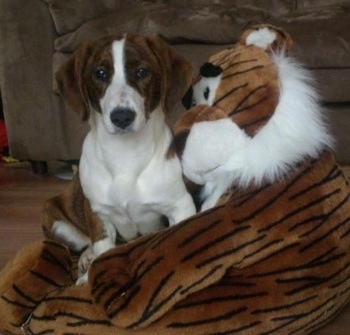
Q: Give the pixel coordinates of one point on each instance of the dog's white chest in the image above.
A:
(122, 201)
(133, 189)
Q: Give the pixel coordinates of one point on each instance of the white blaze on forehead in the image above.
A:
(118, 61)
(262, 38)
(120, 94)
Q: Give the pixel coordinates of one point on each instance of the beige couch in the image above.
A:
(37, 35)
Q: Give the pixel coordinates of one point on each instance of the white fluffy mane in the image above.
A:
(218, 153)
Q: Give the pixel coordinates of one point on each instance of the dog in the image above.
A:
(129, 176)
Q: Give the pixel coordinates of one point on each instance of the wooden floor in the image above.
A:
(21, 196)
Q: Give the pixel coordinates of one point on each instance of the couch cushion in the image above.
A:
(321, 36)
(68, 15)
(216, 24)
(300, 4)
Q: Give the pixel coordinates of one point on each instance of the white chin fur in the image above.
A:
(215, 158)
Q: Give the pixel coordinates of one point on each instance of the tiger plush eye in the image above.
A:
(101, 73)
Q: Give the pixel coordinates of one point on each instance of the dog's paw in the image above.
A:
(84, 263)
(82, 279)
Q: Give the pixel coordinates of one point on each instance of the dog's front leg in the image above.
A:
(103, 238)
(183, 209)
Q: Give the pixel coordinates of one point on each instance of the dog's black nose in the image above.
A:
(122, 117)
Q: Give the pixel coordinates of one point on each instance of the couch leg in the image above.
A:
(39, 167)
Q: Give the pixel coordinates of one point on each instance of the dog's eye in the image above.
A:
(142, 73)
(194, 103)
(101, 73)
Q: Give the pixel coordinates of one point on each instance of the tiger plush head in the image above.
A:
(253, 116)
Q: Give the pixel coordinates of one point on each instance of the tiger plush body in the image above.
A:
(267, 254)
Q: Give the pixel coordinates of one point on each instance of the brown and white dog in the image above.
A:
(129, 179)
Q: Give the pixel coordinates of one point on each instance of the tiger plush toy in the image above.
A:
(267, 254)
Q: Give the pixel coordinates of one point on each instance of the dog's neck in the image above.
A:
(113, 150)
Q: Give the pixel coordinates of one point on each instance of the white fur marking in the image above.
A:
(73, 237)
(262, 38)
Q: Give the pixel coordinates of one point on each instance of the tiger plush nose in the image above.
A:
(122, 117)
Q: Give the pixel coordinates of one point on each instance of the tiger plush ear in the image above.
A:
(267, 37)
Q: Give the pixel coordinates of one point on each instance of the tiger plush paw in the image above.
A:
(37, 270)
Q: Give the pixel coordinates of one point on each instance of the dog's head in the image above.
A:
(124, 79)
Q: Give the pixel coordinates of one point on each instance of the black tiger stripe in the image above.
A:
(240, 109)
(45, 278)
(305, 266)
(218, 318)
(98, 281)
(328, 216)
(225, 59)
(313, 281)
(341, 282)
(253, 60)
(47, 331)
(229, 252)
(163, 236)
(16, 303)
(149, 267)
(276, 252)
(295, 318)
(264, 247)
(249, 196)
(300, 210)
(122, 254)
(52, 259)
(197, 235)
(345, 234)
(328, 178)
(24, 296)
(323, 256)
(102, 290)
(80, 319)
(202, 279)
(283, 307)
(309, 220)
(89, 322)
(149, 311)
(265, 206)
(210, 244)
(226, 95)
(242, 72)
(256, 121)
(131, 295)
(112, 285)
(324, 236)
(220, 299)
(237, 330)
(69, 299)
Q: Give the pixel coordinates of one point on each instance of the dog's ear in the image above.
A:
(70, 81)
(177, 72)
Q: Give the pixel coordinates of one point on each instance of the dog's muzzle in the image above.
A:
(122, 117)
